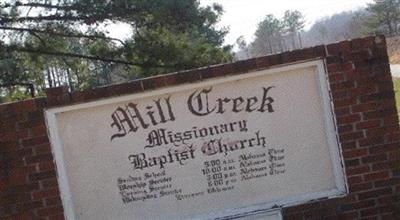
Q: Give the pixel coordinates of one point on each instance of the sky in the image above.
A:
(242, 16)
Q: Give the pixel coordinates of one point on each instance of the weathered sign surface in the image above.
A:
(198, 151)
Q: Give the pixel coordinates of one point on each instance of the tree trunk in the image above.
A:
(300, 41)
(270, 45)
(71, 86)
(78, 79)
(389, 24)
(49, 80)
(53, 77)
(293, 40)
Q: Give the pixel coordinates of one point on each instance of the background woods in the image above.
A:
(276, 35)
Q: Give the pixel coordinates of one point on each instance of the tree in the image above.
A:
(338, 27)
(243, 52)
(268, 36)
(294, 24)
(385, 17)
(63, 42)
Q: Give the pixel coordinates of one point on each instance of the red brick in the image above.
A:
(374, 193)
(354, 180)
(362, 90)
(8, 146)
(31, 123)
(35, 141)
(333, 49)
(20, 188)
(348, 215)
(364, 107)
(341, 95)
(394, 155)
(338, 77)
(245, 65)
(50, 211)
(56, 217)
(28, 215)
(358, 170)
(391, 120)
(39, 158)
(390, 216)
(39, 130)
(374, 158)
(345, 85)
(360, 187)
(351, 136)
(381, 131)
(387, 165)
(55, 201)
(49, 183)
(376, 176)
(153, 82)
(23, 106)
(345, 128)
(384, 148)
(13, 135)
(370, 141)
(293, 216)
(355, 153)
(275, 59)
(378, 114)
(221, 70)
(262, 62)
(14, 198)
(56, 91)
(344, 102)
(352, 162)
(29, 206)
(387, 182)
(48, 193)
(43, 166)
(348, 145)
(349, 119)
(376, 210)
(342, 111)
(368, 124)
(18, 176)
(363, 204)
(42, 175)
(393, 137)
(42, 149)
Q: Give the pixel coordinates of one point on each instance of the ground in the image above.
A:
(396, 82)
(393, 44)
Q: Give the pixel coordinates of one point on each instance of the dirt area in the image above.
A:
(393, 44)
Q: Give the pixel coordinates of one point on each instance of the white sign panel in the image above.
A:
(208, 150)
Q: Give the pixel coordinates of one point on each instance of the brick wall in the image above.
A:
(367, 119)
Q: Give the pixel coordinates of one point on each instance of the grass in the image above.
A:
(396, 82)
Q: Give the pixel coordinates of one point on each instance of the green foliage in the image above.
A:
(293, 21)
(63, 42)
(385, 17)
(396, 82)
(272, 34)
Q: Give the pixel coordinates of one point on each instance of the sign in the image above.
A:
(212, 149)
(272, 215)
